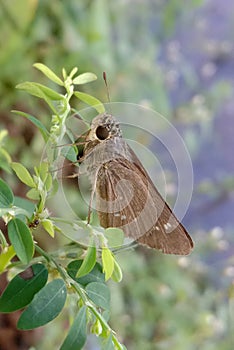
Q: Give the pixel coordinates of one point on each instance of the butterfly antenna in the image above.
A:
(107, 87)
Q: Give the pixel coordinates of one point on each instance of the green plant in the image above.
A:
(85, 268)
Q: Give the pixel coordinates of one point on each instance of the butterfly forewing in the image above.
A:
(127, 198)
(125, 195)
(121, 197)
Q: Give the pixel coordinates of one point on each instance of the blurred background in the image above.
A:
(178, 59)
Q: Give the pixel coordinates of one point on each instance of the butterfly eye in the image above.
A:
(102, 132)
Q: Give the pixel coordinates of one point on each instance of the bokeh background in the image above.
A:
(178, 59)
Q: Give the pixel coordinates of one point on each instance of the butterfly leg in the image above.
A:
(72, 176)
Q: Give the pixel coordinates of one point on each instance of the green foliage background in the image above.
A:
(163, 301)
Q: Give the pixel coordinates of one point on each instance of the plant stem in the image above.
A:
(63, 274)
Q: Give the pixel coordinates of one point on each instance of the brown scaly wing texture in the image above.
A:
(127, 198)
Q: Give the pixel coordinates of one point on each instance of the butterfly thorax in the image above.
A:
(104, 143)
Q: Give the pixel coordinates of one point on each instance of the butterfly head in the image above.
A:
(103, 127)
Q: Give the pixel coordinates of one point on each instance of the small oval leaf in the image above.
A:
(40, 91)
(48, 182)
(73, 72)
(20, 292)
(90, 100)
(88, 262)
(46, 305)
(43, 170)
(96, 275)
(33, 194)
(76, 337)
(23, 174)
(70, 153)
(48, 73)
(25, 204)
(108, 262)
(117, 273)
(107, 344)
(84, 78)
(48, 226)
(99, 293)
(21, 239)
(6, 257)
(6, 195)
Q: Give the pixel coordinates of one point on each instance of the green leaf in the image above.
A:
(107, 344)
(44, 132)
(33, 194)
(48, 182)
(5, 160)
(48, 73)
(40, 91)
(4, 154)
(106, 315)
(3, 241)
(42, 170)
(84, 78)
(3, 136)
(25, 204)
(20, 291)
(115, 237)
(47, 94)
(76, 337)
(23, 174)
(5, 257)
(64, 73)
(70, 153)
(108, 262)
(117, 273)
(96, 327)
(99, 293)
(14, 211)
(88, 262)
(90, 100)
(54, 188)
(73, 72)
(6, 195)
(48, 226)
(45, 306)
(96, 275)
(21, 239)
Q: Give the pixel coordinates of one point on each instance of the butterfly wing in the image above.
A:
(127, 198)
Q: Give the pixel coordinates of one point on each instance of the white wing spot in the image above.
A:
(117, 214)
(157, 228)
(123, 217)
(167, 227)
